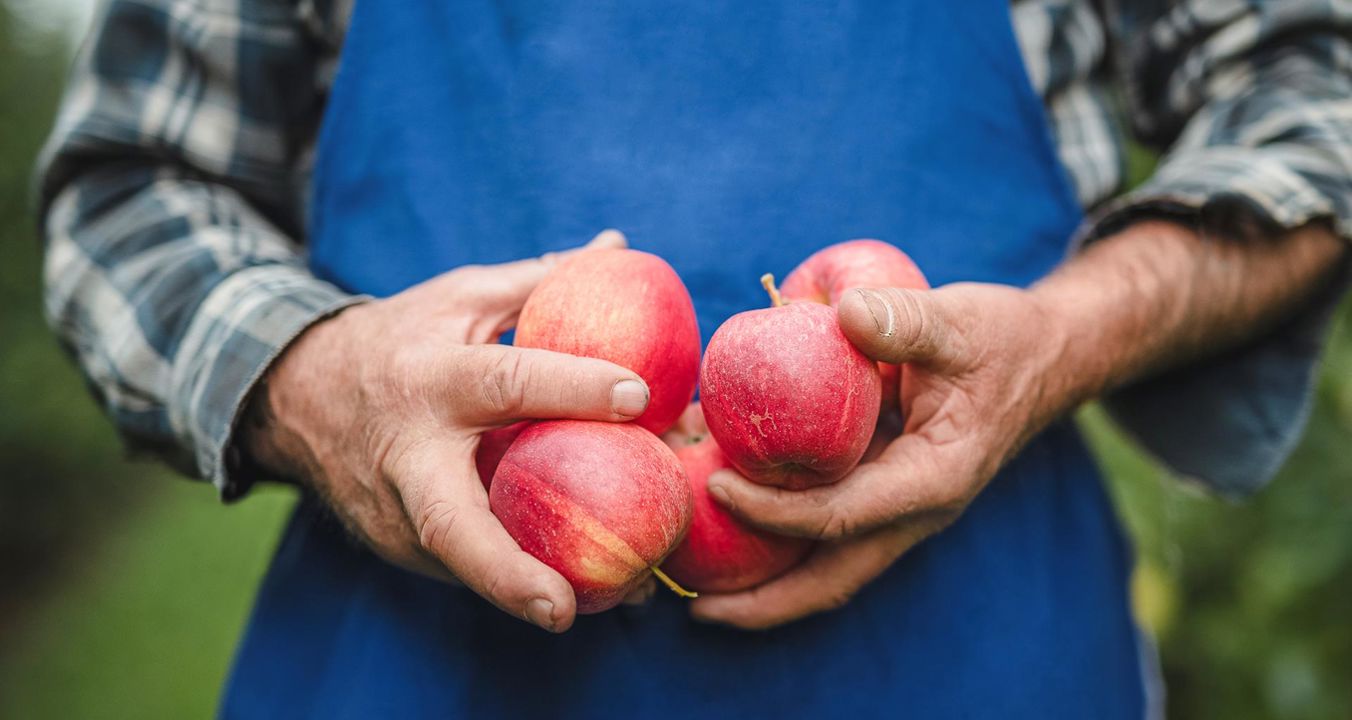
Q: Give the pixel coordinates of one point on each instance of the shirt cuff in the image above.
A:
(1232, 191)
(1232, 421)
(238, 331)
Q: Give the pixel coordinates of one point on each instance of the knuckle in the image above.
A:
(755, 613)
(951, 501)
(403, 376)
(503, 388)
(836, 524)
(835, 599)
(436, 524)
(464, 274)
(495, 583)
(388, 453)
(945, 515)
(914, 321)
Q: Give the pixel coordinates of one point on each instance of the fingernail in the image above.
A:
(540, 611)
(881, 312)
(629, 398)
(721, 496)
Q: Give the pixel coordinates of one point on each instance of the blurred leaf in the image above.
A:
(1153, 596)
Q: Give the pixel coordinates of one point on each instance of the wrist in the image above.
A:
(1059, 377)
(1121, 307)
(291, 402)
(1073, 368)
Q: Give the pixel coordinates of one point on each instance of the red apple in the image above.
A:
(625, 306)
(720, 553)
(828, 274)
(601, 503)
(493, 445)
(789, 399)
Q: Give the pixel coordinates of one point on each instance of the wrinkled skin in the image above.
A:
(993, 365)
(829, 273)
(380, 408)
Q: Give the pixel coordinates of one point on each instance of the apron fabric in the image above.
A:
(730, 139)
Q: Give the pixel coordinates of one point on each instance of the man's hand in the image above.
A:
(379, 410)
(980, 359)
(990, 366)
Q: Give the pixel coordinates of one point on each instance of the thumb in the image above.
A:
(898, 326)
(507, 383)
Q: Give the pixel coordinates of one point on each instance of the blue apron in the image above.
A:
(731, 139)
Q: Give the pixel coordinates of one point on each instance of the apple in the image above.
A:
(493, 445)
(601, 503)
(788, 397)
(625, 306)
(720, 553)
(829, 273)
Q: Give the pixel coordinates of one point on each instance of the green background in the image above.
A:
(123, 588)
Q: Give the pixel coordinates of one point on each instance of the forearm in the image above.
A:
(293, 407)
(1266, 148)
(1158, 295)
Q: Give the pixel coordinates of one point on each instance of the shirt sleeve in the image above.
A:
(1251, 103)
(171, 196)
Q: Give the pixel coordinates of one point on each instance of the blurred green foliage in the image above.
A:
(124, 588)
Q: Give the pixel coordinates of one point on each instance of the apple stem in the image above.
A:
(672, 583)
(768, 282)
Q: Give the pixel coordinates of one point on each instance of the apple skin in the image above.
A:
(493, 445)
(829, 273)
(721, 553)
(625, 306)
(790, 400)
(601, 503)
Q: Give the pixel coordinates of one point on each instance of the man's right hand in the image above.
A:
(379, 410)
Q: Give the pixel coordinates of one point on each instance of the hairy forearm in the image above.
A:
(1158, 295)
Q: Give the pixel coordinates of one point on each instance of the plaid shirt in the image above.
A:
(174, 187)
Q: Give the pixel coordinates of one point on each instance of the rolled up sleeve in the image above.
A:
(1251, 104)
(172, 203)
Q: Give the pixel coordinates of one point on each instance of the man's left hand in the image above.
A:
(989, 366)
(979, 385)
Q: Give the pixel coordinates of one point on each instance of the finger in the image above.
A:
(501, 290)
(689, 429)
(692, 420)
(910, 478)
(494, 384)
(899, 326)
(447, 506)
(827, 580)
(412, 558)
(608, 238)
(641, 594)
